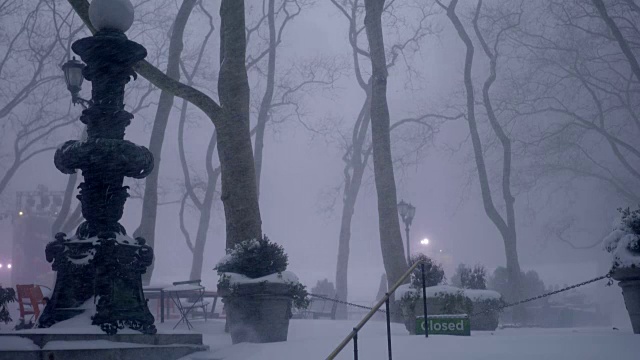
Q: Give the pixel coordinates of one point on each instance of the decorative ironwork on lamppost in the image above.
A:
(100, 265)
(407, 212)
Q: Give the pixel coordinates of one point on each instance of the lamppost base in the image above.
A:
(107, 268)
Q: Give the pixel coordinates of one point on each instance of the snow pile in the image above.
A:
(479, 295)
(432, 291)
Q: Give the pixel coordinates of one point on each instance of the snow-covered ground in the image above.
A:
(315, 339)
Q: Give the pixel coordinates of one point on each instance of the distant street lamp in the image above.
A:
(407, 212)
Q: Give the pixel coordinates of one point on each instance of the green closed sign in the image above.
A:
(444, 325)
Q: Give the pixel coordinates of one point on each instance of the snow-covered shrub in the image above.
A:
(624, 241)
(259, 261)
(470, 278)
(456, 303)
(7, 295)
(325, 288)
(254, 258)
(434, 274)
(300, 296)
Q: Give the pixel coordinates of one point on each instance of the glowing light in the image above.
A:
(440, 250)
(20, 213)
(9, 266)
(0, 266)
(424, 241)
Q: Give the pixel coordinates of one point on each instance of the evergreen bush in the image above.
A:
(434, 274)
(255, 258)
(7, 295)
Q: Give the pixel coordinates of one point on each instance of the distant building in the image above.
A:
(34, 214)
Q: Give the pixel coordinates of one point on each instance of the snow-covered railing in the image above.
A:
(353, 335)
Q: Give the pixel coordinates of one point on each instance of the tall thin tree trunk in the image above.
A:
(390, 235)
(348, 208)
(356, 163)
(205, 213)
(506, 228)
(65, 208)
(147, 226)
(238, 176)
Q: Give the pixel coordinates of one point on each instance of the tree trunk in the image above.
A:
(390, 235)
(506, 228)
(73, 221)
(356, 164)
(11, 171)
(205, 213)
(56, 227)
(263, 113)
(147, 226)
(348, 208)
(238, 176)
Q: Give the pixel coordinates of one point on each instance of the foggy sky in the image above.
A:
(300, 168)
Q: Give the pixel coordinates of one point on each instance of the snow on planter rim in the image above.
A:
(285, 277)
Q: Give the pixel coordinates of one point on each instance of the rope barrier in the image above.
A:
(502, 307)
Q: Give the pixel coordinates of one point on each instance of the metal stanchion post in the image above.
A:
(386, 304)
(424, 301)
(355, 345)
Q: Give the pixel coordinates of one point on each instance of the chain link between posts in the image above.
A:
(499, 308)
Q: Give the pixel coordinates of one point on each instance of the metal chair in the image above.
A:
(193, 291)
(30, 299)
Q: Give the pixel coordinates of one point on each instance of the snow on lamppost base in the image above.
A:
(101, 261)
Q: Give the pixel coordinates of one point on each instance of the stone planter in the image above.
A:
(629, 280)
(258, 312)
(409, 314)
(487, 321)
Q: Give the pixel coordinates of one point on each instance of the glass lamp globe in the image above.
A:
(403, 209)
(411, 212)
(111, 14)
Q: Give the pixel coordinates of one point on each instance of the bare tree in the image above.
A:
(32, 81)
(389, 225)
(150, 201)
(578, 99)
(208, 187)
(231, 118)
(506, 224)
(357, 145)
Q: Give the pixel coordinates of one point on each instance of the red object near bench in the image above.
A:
(30, 299)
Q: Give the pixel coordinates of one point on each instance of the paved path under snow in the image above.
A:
(315, 339)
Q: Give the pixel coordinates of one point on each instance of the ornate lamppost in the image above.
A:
(100, 265)
(407, 212)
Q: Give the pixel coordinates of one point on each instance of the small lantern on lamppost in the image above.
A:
(73, 78)
(407, 212)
